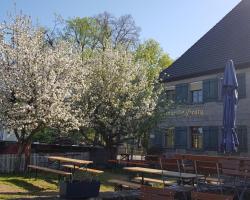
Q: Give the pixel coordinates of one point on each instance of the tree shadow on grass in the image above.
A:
(51, 181)
(25, 185)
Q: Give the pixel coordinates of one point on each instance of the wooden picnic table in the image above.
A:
(180, 175)
(70, 160)
(74, 162)
(163, 172)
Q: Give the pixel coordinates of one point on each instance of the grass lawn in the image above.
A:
(44, 187)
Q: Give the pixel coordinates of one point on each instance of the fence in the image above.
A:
(7, 161)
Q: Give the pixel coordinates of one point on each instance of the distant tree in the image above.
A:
(37, 81)
(153, 56)
(97, 32)
(54, 33)
(83, 31)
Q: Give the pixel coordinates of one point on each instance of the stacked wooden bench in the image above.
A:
(136, 183)
(153, 180)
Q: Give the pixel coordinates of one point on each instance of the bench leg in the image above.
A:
(27, 173)
(30, 173)
(118, 187)
(36, 173)
(59, 178)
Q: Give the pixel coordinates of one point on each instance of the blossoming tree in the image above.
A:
(38, 83)
(119, 98)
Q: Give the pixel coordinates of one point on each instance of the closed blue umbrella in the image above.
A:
(230, 141)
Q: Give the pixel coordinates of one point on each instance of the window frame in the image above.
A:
(200, 94)
(200, 140)
(172, 94)
(172, 129)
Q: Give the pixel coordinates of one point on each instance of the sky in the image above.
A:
(175, 24)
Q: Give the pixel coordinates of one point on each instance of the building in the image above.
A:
(7, 135)
(194, 81)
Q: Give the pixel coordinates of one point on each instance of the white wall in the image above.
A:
(7, 135)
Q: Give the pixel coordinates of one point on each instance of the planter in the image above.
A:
(79, 189)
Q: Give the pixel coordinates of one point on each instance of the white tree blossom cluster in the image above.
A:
(36, 80)
(119, 96)
(57, 86)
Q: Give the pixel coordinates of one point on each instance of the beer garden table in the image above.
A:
(166, 173)
(75, 162)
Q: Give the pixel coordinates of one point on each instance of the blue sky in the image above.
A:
(175, 24)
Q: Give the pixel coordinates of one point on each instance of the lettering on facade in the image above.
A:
(185, 113)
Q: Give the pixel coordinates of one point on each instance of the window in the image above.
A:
(197, 96)
(197, 137)
(210, 90)
(169, 138)
(170, 95)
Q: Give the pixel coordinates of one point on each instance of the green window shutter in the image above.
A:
(213, 139)
(210, 138)
(157, 140)
(242, 85)
(213, 89)
(158, 137)
(210, 90)
(180, 138)
(181, 93)
(206, 137)
(205, 86)
(242, 137)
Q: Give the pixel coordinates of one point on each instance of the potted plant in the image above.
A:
(81, 186)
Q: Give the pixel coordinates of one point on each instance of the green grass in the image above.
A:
(18, 186)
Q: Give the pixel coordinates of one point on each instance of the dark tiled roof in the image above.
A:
(228, 39)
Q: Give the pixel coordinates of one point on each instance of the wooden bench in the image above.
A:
(46, 169)
(123, 184)
(151, 193)
(153, 180)
(92, 171)
(130, 162)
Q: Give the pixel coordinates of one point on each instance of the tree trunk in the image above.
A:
(27, 156)
(22, 149)
(17, 165)
(112, 152)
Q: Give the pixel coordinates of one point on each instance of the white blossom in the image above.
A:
(36, 79)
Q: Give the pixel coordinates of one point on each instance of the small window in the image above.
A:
(197, 96)
(197, 137)
(169, 138)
